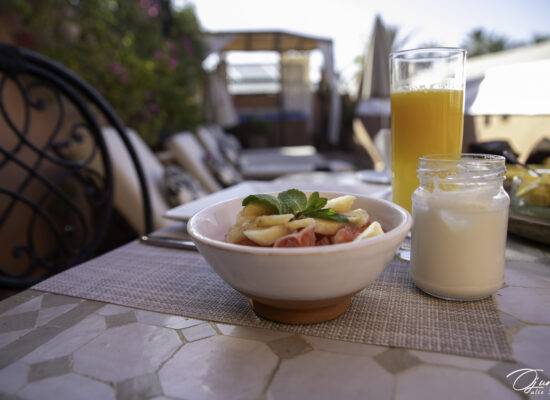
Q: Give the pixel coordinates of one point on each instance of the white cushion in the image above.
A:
(128, 199)
(209, 141)
(189, 153)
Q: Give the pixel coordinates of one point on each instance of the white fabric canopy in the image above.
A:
(335, 105)
(512, 82)
(223, 109)
(519, 89)
(375, 80)
(296, 90)
(374, 88)
(283, 41)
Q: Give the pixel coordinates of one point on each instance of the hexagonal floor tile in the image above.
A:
(318, 374)
(113, 356)
(430, 382)
(219, 367)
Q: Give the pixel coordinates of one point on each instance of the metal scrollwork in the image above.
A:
(55, 173)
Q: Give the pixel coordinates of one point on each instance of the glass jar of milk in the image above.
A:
(460, 219)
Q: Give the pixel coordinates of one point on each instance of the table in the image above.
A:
(58, 347)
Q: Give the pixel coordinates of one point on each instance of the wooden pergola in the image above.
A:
(282, 41)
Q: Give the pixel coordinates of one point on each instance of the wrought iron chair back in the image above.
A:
(54, 209)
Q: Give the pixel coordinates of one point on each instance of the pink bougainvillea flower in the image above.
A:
(171, 46)
(186, 44)
(153, 11)
(116, 68)
(157, 54)
(154, 108)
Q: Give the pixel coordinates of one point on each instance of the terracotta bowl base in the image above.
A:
(299, 312)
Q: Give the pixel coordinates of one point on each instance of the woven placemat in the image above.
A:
(390, 312)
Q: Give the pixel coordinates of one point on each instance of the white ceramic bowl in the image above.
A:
(299, 285)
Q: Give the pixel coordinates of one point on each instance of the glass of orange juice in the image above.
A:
(427, 111)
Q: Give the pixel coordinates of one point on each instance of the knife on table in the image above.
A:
(167, 241)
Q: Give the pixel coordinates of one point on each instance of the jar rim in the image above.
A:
(471, 166)
(454, 157)
(428, 53)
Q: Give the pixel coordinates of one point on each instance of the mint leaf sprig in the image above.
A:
(294, 201)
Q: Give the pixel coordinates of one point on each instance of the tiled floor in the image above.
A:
(58, 347)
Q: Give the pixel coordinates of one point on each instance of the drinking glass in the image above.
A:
(427, 111)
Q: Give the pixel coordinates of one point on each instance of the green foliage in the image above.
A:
(257, 126)
(294, 201)
(267, 201)
(396, 42)
(481, 42)
(396, 39)
(539, 38)
(141, 55)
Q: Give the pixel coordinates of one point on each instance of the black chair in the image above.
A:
(54, 209)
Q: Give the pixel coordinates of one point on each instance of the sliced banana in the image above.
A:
(236, 233)
(241, 219)
(327, 227)
(299, 223)
(254, 210)
(373, 230)
(271, 220)
(358, 217)
(265, 236)
(341, 204)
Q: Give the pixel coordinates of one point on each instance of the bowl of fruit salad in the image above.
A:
(299, 257)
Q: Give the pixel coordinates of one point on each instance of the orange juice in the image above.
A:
(422, 122)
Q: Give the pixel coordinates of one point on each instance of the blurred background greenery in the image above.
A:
(143, 56)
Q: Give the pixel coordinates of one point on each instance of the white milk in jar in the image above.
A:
(460, 218)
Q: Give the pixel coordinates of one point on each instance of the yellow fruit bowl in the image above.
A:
(529, 190)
